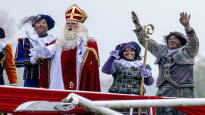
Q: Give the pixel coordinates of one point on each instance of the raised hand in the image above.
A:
(114, 53)
(33, 38)
(136, 20)
(184, 20)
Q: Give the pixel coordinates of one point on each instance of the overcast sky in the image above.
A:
(109, 21)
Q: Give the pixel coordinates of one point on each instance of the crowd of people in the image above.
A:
(70, 61)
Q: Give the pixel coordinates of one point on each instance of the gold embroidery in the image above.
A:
(84, 60)
(49, 69)
(23, 40)
(32, 72)
(71, 85)
(96, 55)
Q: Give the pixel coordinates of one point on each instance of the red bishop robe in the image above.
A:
(88, 79)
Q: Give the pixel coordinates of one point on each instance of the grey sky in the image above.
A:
(109, 21)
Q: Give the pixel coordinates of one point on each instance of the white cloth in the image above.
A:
(32, 60)
(56, 77)
(40, 49)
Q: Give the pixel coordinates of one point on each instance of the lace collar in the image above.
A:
(126, 63)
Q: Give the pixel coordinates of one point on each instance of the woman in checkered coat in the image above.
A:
(126, 68)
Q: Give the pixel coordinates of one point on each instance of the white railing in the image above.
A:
(116, 104)
(105, 107)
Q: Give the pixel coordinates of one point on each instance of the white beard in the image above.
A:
(69, 40)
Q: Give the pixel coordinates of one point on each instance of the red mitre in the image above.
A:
(74, 13)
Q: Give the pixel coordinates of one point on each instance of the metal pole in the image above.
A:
(179, 102)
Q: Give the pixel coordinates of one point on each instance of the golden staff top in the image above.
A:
(147, 29)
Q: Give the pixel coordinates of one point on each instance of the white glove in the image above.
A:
(34, 39)
(33, 52)
(115, 53)
(33, 60)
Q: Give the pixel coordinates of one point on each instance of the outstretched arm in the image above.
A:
(153, 46)
(192, 45)
(136, 20)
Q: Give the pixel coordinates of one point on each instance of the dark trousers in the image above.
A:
(168, 90)
(2, 81)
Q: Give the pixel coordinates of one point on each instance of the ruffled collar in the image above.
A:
(126, 63)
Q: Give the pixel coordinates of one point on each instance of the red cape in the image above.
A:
(89, 73)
